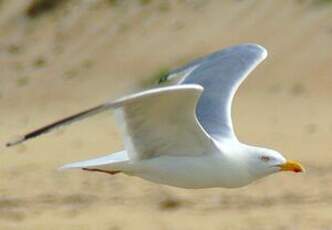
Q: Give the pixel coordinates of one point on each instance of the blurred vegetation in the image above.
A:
(38, 7)
(164, 6)
(158, 77)
(113, 2)
(170, 203)
(323, 2)
(14, 49)
(161, 76)
(117, 2)
(145, 2)
(70, 74)
(22, 81)
(39, 62)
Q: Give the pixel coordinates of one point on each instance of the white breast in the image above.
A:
(193, 172)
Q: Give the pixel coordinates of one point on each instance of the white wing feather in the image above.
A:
(114, 158)
(162, 121)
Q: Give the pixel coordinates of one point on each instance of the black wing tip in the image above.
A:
(15, 141)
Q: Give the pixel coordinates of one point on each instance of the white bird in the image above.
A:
(182, 135)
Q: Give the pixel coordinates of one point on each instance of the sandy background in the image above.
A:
(84, 52)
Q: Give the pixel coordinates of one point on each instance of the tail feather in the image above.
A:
(115, 158)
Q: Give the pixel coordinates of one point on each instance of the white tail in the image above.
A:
(114, 159)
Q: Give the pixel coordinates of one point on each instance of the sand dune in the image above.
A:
(82, 53)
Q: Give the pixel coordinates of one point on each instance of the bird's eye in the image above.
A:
(265, 158)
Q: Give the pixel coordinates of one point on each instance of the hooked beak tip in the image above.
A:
(292, 166)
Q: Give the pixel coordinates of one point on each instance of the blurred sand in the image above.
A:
(86, 52)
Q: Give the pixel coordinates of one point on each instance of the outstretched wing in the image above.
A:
(154, 122)
(220, 74)
(162, 121)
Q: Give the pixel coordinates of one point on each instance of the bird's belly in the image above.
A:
(190, 172)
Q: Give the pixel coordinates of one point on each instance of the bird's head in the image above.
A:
(267, 161)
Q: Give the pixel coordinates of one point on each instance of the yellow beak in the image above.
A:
(293, 166)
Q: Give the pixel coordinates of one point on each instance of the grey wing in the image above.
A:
(221, 73)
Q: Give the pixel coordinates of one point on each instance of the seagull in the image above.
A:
(182, 134)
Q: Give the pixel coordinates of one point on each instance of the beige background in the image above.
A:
(86, 52)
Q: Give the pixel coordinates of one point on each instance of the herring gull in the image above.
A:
(182, 134)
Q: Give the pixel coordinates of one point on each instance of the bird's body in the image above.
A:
(192, 172)
(227, 166)
(216, 169)
(182, 135)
